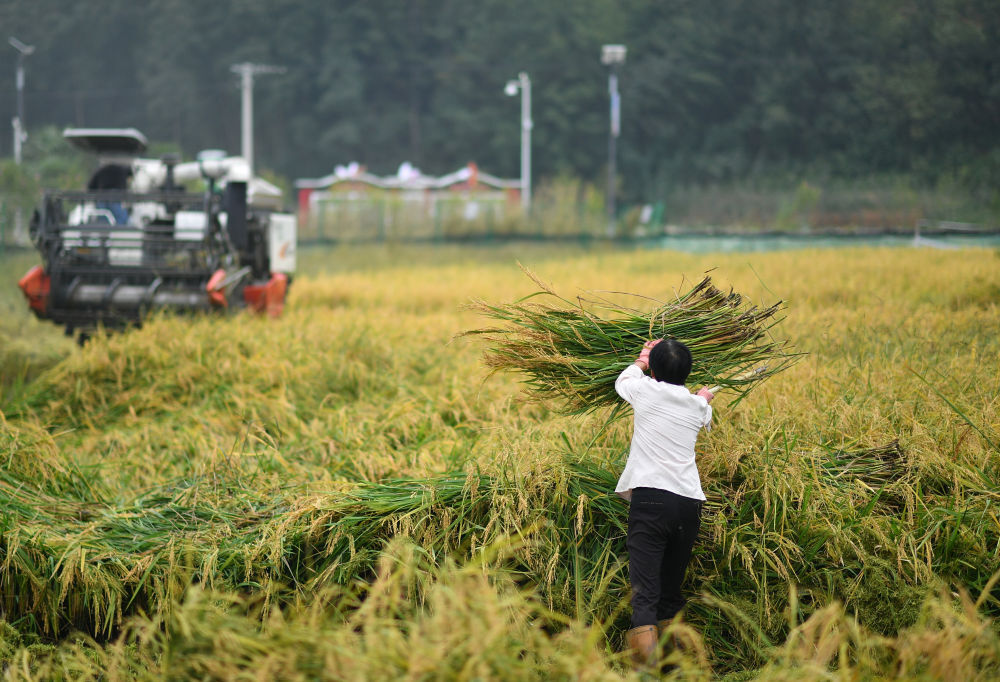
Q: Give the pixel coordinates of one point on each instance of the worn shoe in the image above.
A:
(642, 645)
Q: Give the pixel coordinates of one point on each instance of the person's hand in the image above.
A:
(643, 359)
(705, 393)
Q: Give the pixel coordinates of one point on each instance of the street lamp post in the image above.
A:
(20, 132)
(523, 83)
(247, 71)
(613, 56)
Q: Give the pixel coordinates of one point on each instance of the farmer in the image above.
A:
(661, 484)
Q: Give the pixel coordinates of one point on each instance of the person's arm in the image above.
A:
(707, 395)
(631, 376)
(628, 381)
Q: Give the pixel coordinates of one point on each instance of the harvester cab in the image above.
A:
(138, 240)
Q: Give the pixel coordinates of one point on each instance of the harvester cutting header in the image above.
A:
(137, 240)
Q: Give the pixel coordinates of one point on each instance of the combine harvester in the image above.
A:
(136, 240)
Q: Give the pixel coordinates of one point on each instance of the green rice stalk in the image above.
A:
(573, 352)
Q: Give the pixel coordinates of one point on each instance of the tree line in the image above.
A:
(711, 91)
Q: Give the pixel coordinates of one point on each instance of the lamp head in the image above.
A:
(21, 47)
(613, 54)
(510, 89)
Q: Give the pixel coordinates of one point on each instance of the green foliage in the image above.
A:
(795, 213)
(720, 92)
(53, 162)
(18, 189)
(48, 161)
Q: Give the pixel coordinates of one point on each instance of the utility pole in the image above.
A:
(613, 56)
(20, 131)
(523, 83)
(247, 71)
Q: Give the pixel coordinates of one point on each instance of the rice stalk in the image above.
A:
(572, 352)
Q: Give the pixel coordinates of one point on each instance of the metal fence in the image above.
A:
(378, 219)
(381, 218)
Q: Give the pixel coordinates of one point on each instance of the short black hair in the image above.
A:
(670, 361)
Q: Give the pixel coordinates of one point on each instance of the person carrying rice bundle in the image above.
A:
(575, 356)
(661, 483)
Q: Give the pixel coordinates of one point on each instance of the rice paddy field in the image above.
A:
(348, 493)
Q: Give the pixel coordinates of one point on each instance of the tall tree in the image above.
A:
(711, 91)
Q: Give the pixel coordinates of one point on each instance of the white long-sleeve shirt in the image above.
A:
(668, 418)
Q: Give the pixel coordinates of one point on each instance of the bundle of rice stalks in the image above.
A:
(574, 351)
(876, 466)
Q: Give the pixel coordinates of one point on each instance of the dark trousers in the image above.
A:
(662, 528)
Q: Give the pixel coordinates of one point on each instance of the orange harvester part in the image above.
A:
(35, 285)
(270, 297)
(215, 293)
